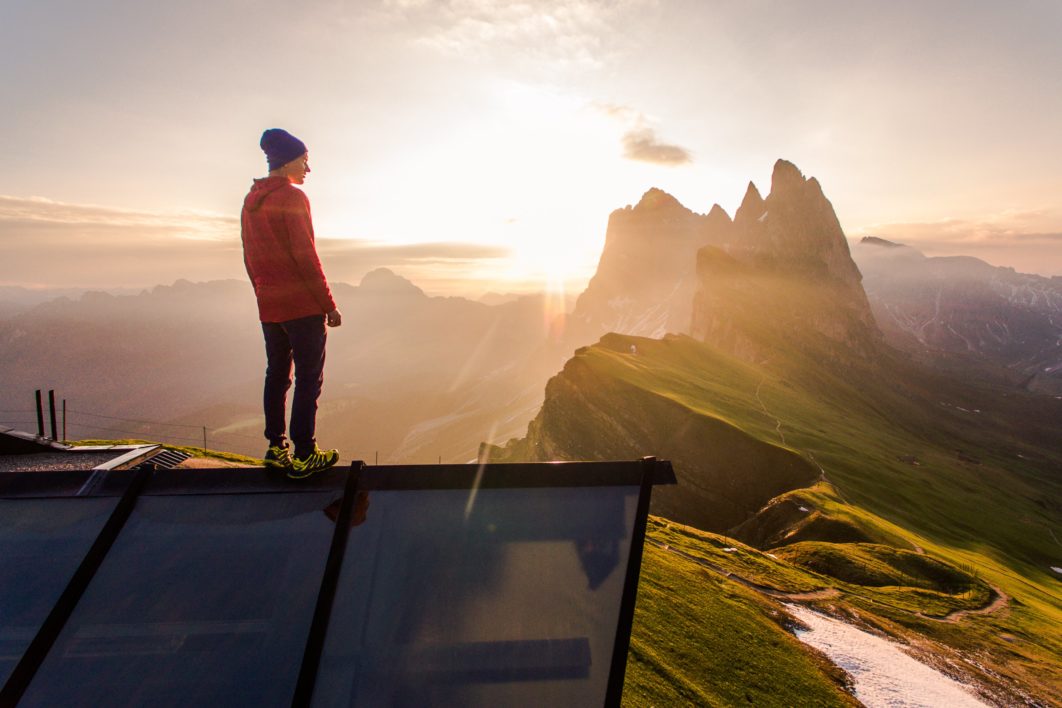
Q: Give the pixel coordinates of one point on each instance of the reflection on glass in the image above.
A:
(203, 600)
(598, 558)
(358, 513)
(517, 604)
(42, 542)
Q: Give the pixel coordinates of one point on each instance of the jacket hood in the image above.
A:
(261, 189)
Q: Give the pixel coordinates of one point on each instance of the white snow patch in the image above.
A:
(803, 509)
(882, 674)
(730, 549)
(1057, 569)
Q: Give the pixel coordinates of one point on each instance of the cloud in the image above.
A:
(1028, 241)
(641, 144)
(566, 33)
(640, 141)
(430, 252)
(1041, 226)
(45, 215)
(55, 244)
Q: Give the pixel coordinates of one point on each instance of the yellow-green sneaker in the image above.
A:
(278, 457)
(302, 467)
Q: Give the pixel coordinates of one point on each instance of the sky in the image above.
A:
(480, 145)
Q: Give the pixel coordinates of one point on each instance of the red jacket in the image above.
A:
(279, 252)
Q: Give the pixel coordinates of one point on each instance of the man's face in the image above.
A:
(297, 169)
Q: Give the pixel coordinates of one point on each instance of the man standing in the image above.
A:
(294, 302)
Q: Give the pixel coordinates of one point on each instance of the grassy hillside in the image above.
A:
(700, 639)
(712, 626)
(931, 496)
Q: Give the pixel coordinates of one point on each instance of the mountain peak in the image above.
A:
(384, 281)
(657, 199)
(876, 241)
(752, 206)
(785, 175)
(718, 213)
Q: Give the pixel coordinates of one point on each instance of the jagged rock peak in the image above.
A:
(752, 206)
(658, 199)
(717, 212)
(752, 199)
(785, 175)
(386, 281)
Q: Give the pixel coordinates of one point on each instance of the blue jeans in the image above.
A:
(301, 342)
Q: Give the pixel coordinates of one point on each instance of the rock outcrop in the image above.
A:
(780, 268)
(785, 276)
(646, 278)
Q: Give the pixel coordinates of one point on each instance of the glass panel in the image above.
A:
(495, 597)
(203, 600)
(42, 542)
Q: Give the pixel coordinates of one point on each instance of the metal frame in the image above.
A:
(129, 485)
(311, 656)
(53, 624)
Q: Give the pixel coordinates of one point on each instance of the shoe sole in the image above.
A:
(295, 474)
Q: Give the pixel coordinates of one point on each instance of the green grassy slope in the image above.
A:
(707, 603)
(907, 465)
(702, 640)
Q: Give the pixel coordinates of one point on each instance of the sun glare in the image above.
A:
(533, 174)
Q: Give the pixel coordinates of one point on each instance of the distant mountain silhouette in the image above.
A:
(960, 313)
(410, 376)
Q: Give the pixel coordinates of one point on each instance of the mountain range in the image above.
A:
(409, 377)
(877, 436)
(960, 313)
(801, 435)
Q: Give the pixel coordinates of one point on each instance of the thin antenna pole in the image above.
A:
(51, 412)
(40, 415)
(204, 437)
(64, 420)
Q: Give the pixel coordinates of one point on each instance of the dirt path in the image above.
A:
(824, 594)
(999, 600)
(777, 421)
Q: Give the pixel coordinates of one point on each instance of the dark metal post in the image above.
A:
(315, 639)
(51, 412)
(64, 420)
(204, 437)
(617, 671)
(40, 415)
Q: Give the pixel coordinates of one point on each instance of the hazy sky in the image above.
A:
(481, 144)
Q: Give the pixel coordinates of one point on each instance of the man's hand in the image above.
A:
(334, 318)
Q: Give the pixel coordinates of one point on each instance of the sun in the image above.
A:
(533, 173)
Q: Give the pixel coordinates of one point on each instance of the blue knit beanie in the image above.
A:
(281, 147)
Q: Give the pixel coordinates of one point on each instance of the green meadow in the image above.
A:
(933, 518)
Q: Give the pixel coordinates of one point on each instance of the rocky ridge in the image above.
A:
(960, 312)
(668, 269)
